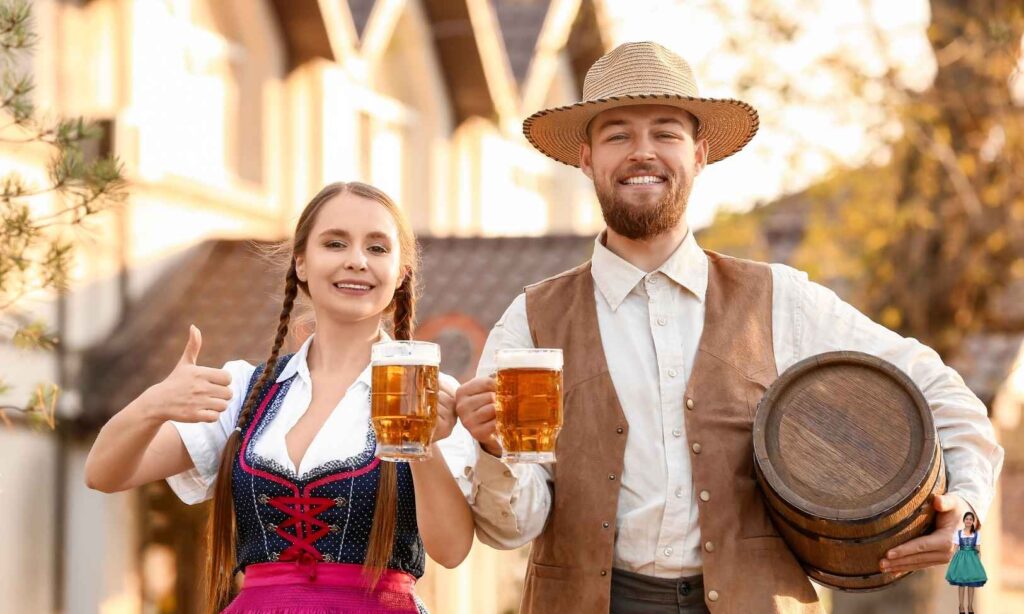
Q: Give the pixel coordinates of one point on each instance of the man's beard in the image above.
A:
(640, 222)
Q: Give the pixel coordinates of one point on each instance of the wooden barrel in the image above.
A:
(848, 461)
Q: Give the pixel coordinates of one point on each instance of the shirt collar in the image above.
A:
(298, 364)
(616, 278)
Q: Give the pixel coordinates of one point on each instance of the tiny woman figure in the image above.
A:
(965, 570)
(285, 449)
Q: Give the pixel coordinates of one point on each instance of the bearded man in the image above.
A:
(652, 505)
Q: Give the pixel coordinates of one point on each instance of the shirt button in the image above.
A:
(662, 321)
(710, 547)
(712, 595)
(689, 403)
(652, 280)
(668, 551)
(696, 448)
(672, 373)
(677, 432)
(705, 496)
(679, 492)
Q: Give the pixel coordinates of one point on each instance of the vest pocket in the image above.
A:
(765, 542)
(549, 571)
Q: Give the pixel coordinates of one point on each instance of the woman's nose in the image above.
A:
(356, 262)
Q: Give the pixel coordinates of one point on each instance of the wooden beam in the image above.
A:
(553, 36)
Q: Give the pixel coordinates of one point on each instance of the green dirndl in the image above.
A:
(965, 569)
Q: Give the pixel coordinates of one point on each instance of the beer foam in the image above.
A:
(527, 359)
(405, 354)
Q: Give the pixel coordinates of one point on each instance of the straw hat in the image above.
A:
(641, 73)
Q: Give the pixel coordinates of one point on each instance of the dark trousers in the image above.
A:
(633, 593)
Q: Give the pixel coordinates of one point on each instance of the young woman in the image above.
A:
(965, 569)
(286, 449)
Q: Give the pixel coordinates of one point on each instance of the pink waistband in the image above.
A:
(327, 574)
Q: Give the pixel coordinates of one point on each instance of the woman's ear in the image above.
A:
(300, 267)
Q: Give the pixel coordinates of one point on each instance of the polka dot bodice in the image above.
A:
(323, 517)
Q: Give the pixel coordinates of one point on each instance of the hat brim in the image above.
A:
(727, 124)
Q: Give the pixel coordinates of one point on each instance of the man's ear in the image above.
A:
(585, 161)
(700, 154)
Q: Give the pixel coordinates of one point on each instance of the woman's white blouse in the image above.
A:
(342, 436)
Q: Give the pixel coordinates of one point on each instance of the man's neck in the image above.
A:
(646, 254)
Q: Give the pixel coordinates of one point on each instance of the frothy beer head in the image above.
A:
(405, 353)
(529, 359)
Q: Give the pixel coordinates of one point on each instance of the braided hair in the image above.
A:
(221, 530)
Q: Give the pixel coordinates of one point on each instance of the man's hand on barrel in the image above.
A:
(937, 547)
(474, 403)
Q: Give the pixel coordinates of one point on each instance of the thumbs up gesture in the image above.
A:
(191, 393)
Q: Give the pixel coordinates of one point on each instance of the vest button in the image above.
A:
(689, 403)
(619, 430)
(712, 595)
(605, 525)
(696, 448)
(710, 547)
(604, 572)
(705, 496)
(611, 476)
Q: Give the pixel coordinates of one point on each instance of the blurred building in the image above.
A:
(229, 115)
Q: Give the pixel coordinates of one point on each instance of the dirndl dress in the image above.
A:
(301, 543)
(965, 568)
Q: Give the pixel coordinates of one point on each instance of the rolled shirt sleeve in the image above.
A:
(510, 502)
(205, 441)
(813, 320)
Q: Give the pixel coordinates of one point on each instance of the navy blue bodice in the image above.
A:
(323, 517)
(967, 543)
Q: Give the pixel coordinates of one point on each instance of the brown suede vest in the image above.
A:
(747, 567)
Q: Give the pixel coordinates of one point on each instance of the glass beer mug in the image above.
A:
(403, 405)
(529, 403)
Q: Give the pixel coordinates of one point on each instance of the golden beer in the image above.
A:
(403, 405)
(529, 404)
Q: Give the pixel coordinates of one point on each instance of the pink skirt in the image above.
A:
(329, 588)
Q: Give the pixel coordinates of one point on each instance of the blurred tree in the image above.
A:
(932, 233)
(38, 219)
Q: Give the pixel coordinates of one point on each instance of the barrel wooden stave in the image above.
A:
(841, 545)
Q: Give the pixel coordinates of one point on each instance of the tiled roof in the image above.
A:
(233, 296)
(986, 359)
(521, 22)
